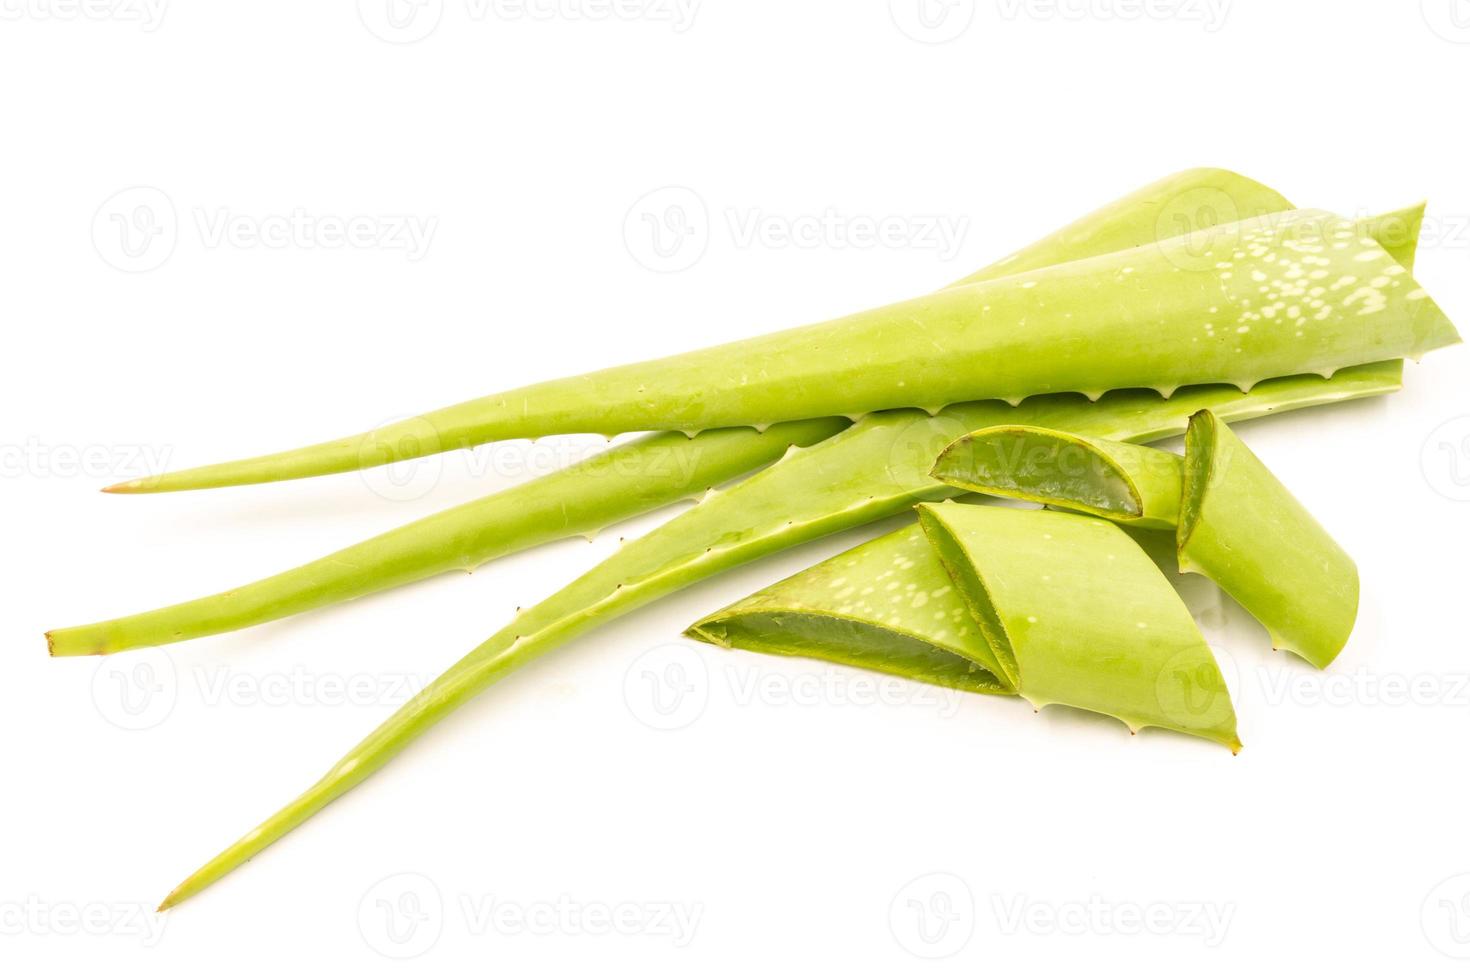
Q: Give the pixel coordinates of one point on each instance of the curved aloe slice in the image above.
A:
(1129, 484)
(1084, 617)
(874, 469)
(581, 499)
(1245, 531)
(1288, 293)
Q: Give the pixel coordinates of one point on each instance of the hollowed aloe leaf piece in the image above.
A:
(1129, 484)
(1240, 527)
(1294, 292)
(886, 605)
(1084, 614)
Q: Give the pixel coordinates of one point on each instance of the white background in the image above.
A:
(802, 827)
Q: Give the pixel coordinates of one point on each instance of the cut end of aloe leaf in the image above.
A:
(131, 486)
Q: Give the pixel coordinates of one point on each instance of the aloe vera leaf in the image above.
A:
(874, 469)
(1086, 618)
(1125, 483)
(581, 499)
(470, 535)
(886, 605)
(1245, 531)
(1124, 319)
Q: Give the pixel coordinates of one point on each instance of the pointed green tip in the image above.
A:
(148, 485)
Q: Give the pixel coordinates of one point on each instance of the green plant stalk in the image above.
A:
(1243, 530)
(1265, 297)
(874, 469)
(1081, 615)
(582, 499)
(560, 504)
(1125, 483)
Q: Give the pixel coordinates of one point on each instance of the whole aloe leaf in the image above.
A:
(1263, 297)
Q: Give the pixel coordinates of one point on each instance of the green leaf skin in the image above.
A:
(581, 499)
(1083, 615)
(1128, 484)
(887, 605)
(1246, 532)
(1128, 318)
(876, 468)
